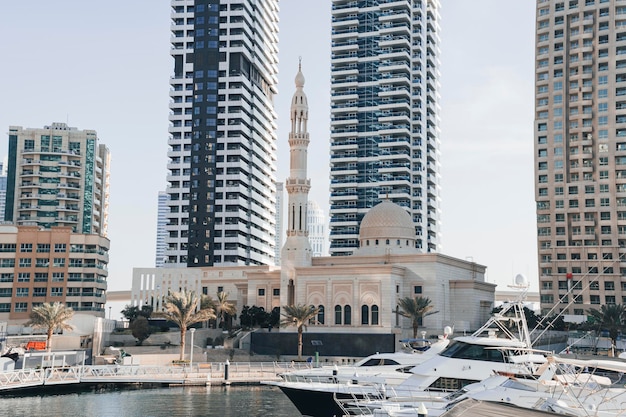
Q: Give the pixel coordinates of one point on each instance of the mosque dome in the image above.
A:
(387, 227)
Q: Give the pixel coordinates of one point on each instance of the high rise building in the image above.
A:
(384, 116)
(580, 153)
(316, 224)
(222, 157)
(161, 233)
(3, 187)
(58, 176)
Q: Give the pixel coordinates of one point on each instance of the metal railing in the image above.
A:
(198, 373)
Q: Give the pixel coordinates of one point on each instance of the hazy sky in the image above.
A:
(106, 66)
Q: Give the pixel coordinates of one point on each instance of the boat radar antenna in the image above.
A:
(522, 284)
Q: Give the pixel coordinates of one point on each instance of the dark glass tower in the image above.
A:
(222, 158)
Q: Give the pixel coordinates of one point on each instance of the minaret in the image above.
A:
(297, 250)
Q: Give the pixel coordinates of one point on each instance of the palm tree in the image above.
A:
(206, 301)
(415, 309)
(223, 306)
(51, 316)
(298, 315)
(611, 317)
(181, 308)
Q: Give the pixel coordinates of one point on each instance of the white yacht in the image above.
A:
(390, 368)
(564, 386)
(501, 345)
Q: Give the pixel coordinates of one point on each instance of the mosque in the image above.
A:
(356, 294)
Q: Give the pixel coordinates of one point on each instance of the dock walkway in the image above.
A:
(197, 374)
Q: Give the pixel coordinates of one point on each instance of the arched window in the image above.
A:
(338, 314)
(320, 315)
(374, 315)
(365, 314)
(387, 242)
(347, 315)
(313, 320)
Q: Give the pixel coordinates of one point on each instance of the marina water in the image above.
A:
(217, 401)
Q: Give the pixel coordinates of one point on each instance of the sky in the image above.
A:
(105, 66)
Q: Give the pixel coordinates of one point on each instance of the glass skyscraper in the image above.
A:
(222, 157)
(384, 116)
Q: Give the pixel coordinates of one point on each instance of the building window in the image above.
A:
(594, 299)
(417, 289)
(320, 314)
(347, 315)
(41, 276)
(25, 262)
(547, 299)
(261, 292)
(7, 247)
(23, 277)
(609, 299)
(21, 307)
(40, 292)
(60, 247)
(365, 314)
(21, 292)
(374, 315)
(276, 292)
(26, 247)
(43, 247)
(338, 314)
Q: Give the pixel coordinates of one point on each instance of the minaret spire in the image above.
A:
(297, 249)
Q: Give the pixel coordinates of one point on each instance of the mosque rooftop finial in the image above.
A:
(299, 76)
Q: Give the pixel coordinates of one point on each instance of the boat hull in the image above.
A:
(317, 403)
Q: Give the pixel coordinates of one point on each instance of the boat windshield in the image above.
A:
(379, 362)
(462, 350)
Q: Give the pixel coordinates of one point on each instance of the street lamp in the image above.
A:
(192, 330)
(109, 312)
